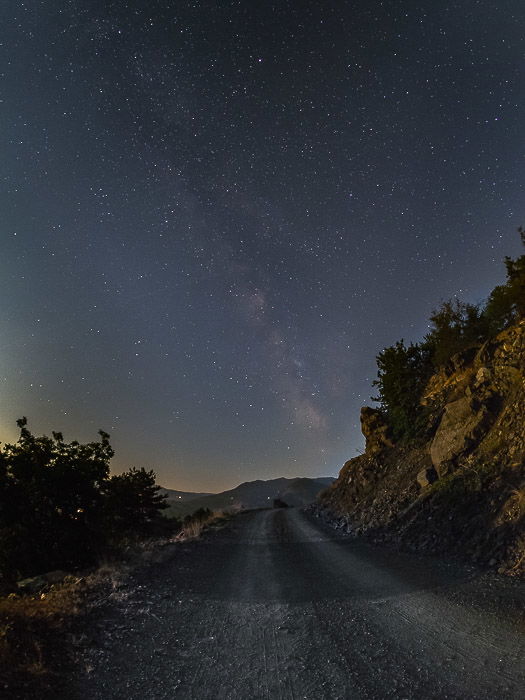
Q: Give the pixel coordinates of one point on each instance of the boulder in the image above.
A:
(375, 429)
(35, 584)
(427, 476)
(32, 585)
(462, 425)
(483, 376)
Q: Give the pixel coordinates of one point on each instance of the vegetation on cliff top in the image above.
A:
(403, 371)
(444, 467)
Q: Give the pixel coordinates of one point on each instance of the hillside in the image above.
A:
(185, 496)
(460, 486)
(251, 494)
(179, 502)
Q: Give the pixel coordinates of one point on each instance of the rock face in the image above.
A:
(427, 477)
(475, 396)
(32, 585)
(35, 584)
(463, 424)
(460, 489)
(375, 429)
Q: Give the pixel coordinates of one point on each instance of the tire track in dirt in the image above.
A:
(274, 606)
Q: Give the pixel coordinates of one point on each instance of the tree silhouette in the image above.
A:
(59, 507)
(133, 500)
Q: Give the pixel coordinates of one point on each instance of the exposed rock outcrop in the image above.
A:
(462, 488)
(426, 477)
(375, 429)
(463, 424)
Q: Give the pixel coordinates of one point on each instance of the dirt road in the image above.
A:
(276, 606)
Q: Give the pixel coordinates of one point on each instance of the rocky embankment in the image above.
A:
(461, 488)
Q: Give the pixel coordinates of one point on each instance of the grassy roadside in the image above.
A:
(39, 633)
(36, 637)
(193, 527)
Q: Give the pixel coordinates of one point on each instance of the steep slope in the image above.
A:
(460, 489)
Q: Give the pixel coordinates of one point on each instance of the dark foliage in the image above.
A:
(506, 302)
(402, 375)
(454, 327)
(60, 509)
(133, 501)
(403, 372)
(201, 514)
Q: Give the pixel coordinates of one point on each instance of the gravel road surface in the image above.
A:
(275, 605)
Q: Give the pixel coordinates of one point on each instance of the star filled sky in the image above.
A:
(214, 215)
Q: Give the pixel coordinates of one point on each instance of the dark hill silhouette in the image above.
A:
(184, 496)
(251, 494)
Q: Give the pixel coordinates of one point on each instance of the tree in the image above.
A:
(500, 310)
(403, 373)
(59, 507)
(506, 302)
(51, 501)
(455, 326)
(133, 501)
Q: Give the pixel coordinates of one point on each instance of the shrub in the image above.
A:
(133, 501)
(59, 508)
(403, 373)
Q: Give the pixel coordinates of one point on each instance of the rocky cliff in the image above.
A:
(461, 487)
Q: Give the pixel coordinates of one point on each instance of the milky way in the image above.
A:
(216, 214)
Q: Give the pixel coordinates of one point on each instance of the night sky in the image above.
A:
(214, 215)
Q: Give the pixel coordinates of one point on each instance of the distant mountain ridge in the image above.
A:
(260, 493)
(185, 496)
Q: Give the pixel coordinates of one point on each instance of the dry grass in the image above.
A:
(33, 632)
(38, 632)
(193, 529)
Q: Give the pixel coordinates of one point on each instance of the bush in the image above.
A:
(455, 326)
(133, 501)
(59, 508)
(403, 373)
(506, 303)
(199, 514)
(195, 523)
